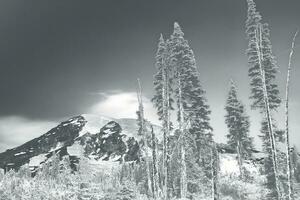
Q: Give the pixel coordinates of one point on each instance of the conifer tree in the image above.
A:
(162, 68)
(264, 90)
(238, 125)
(191, 103)
(268, 61)
(194, 102)
(163, 102)
(176, 63)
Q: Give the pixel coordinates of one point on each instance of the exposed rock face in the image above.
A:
(110, 144)
(62, 135)
(98, 139)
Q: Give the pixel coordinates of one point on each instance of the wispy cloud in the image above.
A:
(123, 105)
(16, 130)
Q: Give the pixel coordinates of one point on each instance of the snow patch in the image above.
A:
(58, 146)
(20, 153)
(94, 124)
(229, 164)
(37, 160)
(75, 150)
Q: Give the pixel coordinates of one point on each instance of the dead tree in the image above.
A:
(183, 179)
(287, 140)
(155, 184)
(144, 135)
(240, 161)
(166, 127)
(214, 165)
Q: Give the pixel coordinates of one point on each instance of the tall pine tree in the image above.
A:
(264, 90)
(162, 68)
(254, 19)
(176, 59)
(190, 96)
(238, 125)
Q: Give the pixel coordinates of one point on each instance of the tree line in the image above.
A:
(189, 161)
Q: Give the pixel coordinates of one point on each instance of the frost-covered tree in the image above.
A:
(238, 125)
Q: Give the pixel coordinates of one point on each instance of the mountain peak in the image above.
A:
(98, 137)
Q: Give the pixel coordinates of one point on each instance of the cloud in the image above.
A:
(123, 105)
(16, 130)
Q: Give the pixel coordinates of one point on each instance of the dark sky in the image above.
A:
(55, 54)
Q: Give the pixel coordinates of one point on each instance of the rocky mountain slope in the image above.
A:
(95, 137)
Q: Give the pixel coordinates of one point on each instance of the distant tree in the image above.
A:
(238, 125)
(142, 131)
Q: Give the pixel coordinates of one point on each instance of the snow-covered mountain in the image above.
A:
(102, 140)
(98, 138)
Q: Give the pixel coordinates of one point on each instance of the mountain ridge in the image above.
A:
(100, 137)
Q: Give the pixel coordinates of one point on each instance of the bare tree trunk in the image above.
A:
(144, 133)
(155, 171)
(240, 162)
(214, 172)
(166, 127)
(287, 140)
(183, 179)
(258, 35)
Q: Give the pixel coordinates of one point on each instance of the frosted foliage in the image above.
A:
(56, 181)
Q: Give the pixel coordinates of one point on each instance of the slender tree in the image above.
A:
(163, 102)
(143, 132)
(287, 140)
(264, 90)
(238, 125)
(295, 164)
(155, 182)
(183, 178)
(259, 42)
(159, 84)
(268, 62)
